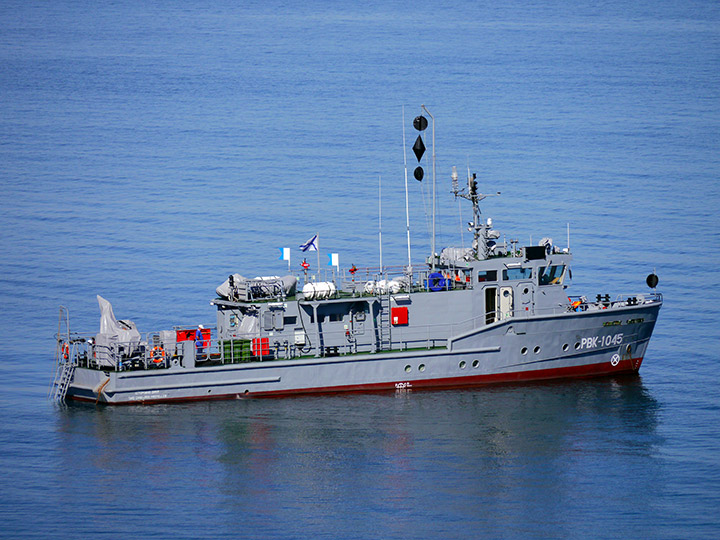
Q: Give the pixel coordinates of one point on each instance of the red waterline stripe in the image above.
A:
(591, 370)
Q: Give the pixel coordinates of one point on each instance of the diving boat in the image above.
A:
(490, 313)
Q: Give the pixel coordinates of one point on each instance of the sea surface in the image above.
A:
(148, 149)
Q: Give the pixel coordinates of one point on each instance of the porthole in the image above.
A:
(526, 290)
(536, 349)
(523, 350)
(566, 347)
(476, 363)
(577, 345)
(462, 364)
(408, 369)
(421, 367)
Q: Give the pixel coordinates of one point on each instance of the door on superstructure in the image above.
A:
(490, 305)
(526, 290)
(506, 303)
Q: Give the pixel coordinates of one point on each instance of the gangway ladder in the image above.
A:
(384, 332)
(65, 359)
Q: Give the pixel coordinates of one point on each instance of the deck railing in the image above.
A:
(151, 352)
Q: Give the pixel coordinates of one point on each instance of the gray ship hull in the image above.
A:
(572, 344)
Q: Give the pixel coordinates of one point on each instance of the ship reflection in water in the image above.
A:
(551, 457)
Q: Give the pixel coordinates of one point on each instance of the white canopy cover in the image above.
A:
(124, 331)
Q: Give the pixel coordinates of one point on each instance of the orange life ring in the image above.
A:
(157, 354)
(65, 350)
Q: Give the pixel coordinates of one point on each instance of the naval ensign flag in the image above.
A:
(313, 245)
(310, 245)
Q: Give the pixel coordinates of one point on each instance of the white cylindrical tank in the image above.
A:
(326, 290)
(308, 291)
(319, 291)
(395, 286)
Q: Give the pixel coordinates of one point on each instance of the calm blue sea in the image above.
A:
(150, 148)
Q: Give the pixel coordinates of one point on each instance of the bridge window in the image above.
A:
(513, 274)
(551, 275)
(487, 275)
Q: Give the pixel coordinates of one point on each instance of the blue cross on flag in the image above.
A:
(310, 245)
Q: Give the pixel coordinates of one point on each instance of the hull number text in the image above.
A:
(601, 341)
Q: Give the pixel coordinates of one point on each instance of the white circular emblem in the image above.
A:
(615, 360)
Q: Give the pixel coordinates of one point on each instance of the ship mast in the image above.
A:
(432, 248)
(478, 226)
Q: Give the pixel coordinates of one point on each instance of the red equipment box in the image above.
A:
(261, 346)
(189, 335)
(399, 315)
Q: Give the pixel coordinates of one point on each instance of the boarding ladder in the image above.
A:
(65, 359)
(384, 334)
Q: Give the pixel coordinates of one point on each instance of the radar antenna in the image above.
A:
(479, 227)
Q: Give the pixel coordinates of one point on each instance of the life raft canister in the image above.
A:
(157, 354)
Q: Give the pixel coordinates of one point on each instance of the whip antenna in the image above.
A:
(407, 208)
